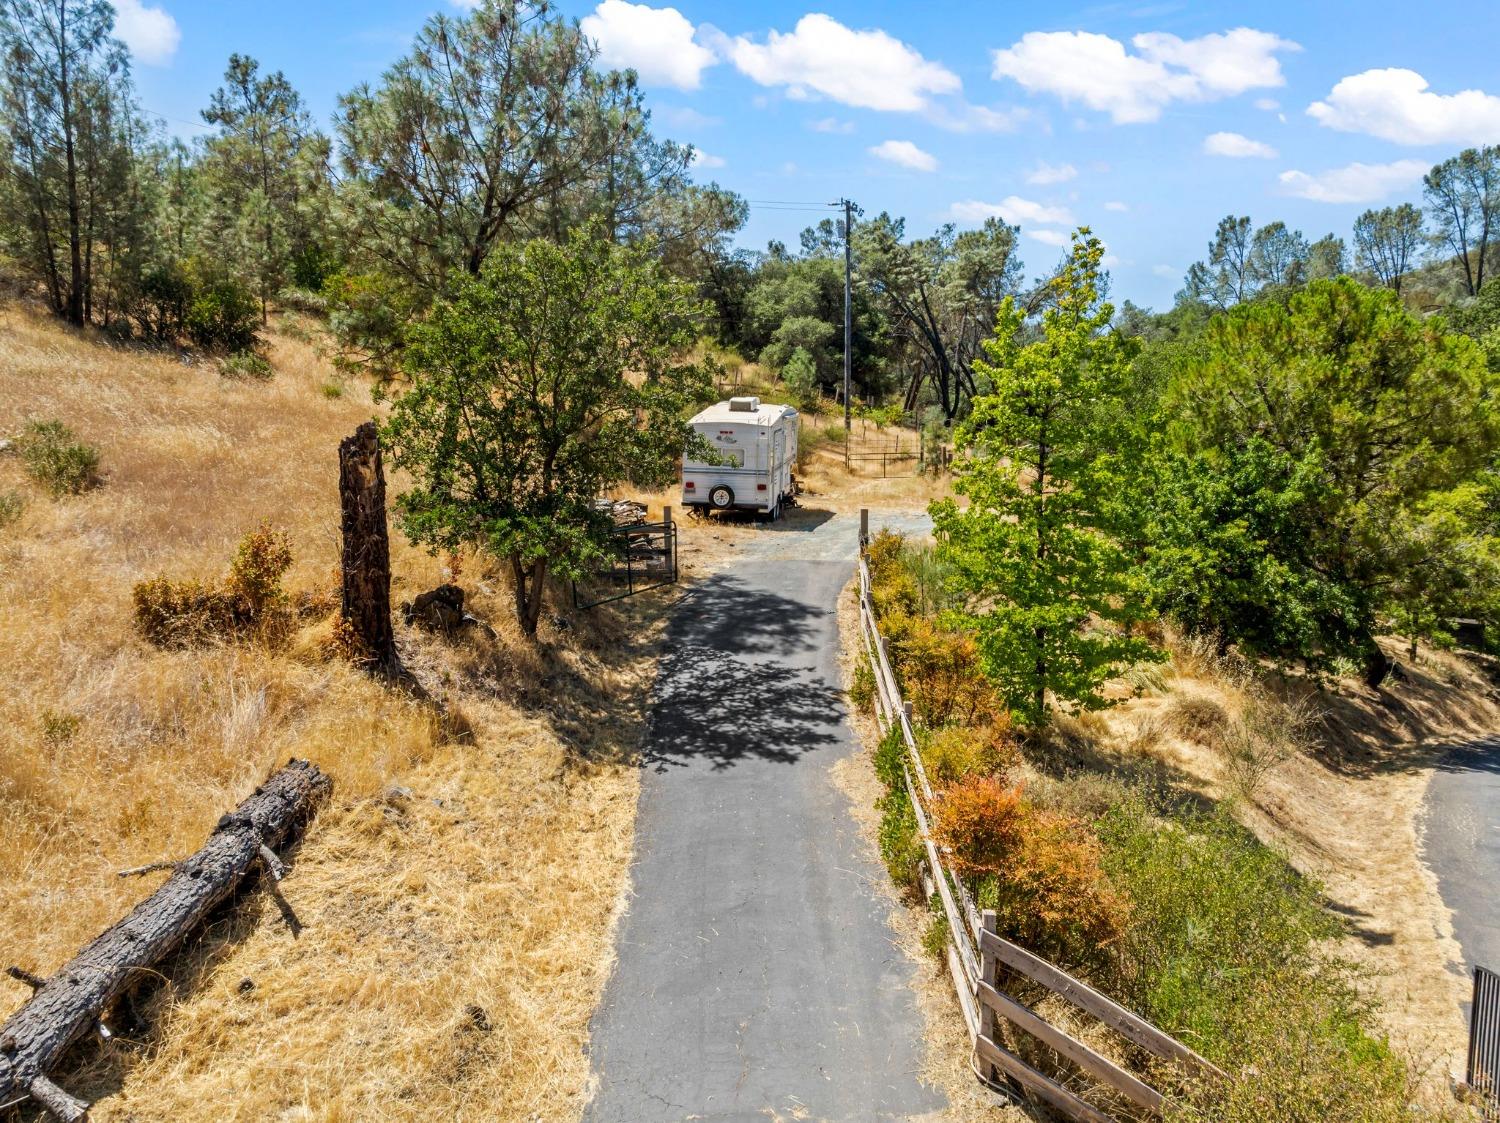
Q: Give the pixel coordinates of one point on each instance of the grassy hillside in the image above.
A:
(457, 895)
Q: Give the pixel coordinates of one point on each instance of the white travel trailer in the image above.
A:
(756, 445)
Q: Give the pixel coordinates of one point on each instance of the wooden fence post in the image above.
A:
(864, 528)
(989, 971)
(366, 604)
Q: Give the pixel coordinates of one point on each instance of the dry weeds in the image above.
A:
(458, 882)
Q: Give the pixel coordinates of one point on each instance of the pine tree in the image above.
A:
(1047, 588)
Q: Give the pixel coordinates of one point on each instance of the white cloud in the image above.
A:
(1267, 104)
(702, 159)
(1045, 174)
(1166, 270)
(1012, 209)
(1235, 145)
(657, 43)
(868, 69)
(906, 154)
(1396, 105)
(1117, 206)
(1356, 183)
(962, 117)
(1048, 237)
(151, 33)
(685, 117)
(1096, 70)
(831, 125)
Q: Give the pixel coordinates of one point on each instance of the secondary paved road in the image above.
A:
(1461, 845)
(757, 978)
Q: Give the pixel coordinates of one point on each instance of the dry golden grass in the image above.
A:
(450, 872)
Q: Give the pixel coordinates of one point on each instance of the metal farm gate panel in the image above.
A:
(1484, 1041)
(646, 558)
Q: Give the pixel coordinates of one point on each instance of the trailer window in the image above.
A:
(723, 458)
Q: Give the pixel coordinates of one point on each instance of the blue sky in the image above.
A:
(1147, 121)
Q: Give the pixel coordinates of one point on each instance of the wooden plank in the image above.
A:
(1101, 1068)
(1044, 1089)
(989, 975)
(1086, 998)
(958, 933)
(965, 997)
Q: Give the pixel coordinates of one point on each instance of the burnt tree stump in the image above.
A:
(366, 605)
(74, 1001)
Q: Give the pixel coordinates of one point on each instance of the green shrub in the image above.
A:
(182, 613)
(223, 316)
(57, 460)
(900, 845)
(955, 752)
(260, 562)
(890, 760)
(862, 687)
(246, 364)
(1213, 911)
(936, 936)
(800, 377)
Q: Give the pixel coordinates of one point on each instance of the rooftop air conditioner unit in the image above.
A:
(744, 405)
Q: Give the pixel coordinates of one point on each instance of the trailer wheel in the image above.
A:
(722, 497)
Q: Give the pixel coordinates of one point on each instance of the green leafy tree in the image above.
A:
(1369, 411)
(800, 377)
(941, 294)
(1049, 592)
(468, 140)
(1463, 198)
(257, 168)
(65, 145)
(551, 377)
(1387, 242)
(1445, 563)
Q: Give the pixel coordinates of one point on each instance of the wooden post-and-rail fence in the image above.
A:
(979, 957)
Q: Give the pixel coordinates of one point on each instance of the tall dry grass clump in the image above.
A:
(457, 895)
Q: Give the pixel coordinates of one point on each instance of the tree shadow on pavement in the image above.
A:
(731, 616)
(740, 680)
(712, 706)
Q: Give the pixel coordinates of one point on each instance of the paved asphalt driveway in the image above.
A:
(1461, 845)
(757, 978)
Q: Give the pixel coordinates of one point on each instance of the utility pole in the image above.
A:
(848, 323)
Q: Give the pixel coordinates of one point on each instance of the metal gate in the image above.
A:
(645, 558)
(1484, 1041)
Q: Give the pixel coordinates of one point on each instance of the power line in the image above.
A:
(793, 203)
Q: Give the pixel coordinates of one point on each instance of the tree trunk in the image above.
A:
(75, 233)
(1377, 666)
(72, 1002)
(366, 605)
(529, 582)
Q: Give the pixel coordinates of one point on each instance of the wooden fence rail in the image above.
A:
(977, 953)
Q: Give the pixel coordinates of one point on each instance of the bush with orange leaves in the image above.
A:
(941, 675)
(1038, 869)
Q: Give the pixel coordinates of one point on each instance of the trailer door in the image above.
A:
(778, 465)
